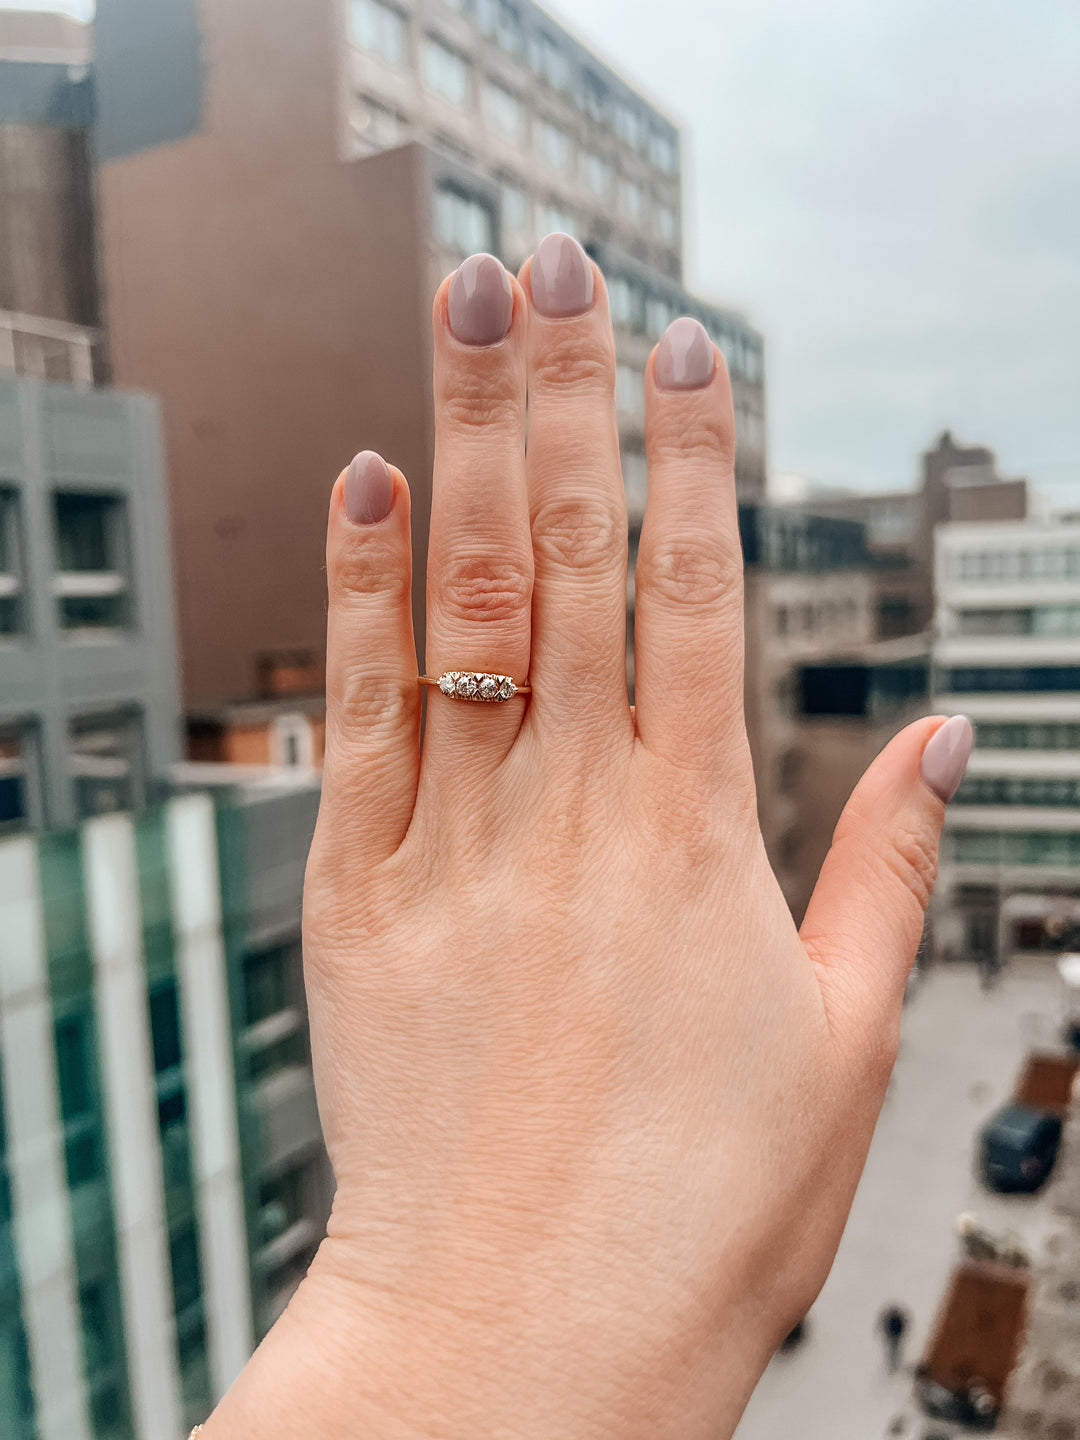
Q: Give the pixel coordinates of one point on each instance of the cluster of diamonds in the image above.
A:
(475, 685)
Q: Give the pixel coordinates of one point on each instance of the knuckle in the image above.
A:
(567, 364)
(580, 536)
(687, 571)
(370, 704)
(475, 589)
(706, 435)
(910, 856)
(369, 566)
(480, 401)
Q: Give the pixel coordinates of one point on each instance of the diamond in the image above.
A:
(447, 683)
(489, 688)
(466, 687)
(507, 689)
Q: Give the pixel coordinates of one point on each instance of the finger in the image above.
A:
(865, 918)
(688, 638)
(576, 492)
(480, 564)
(372, 698)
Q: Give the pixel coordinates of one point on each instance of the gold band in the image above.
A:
(475, 685)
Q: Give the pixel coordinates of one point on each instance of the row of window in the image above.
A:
(1045, 620)
(382, 30)
(1025, 735)
(91, 558)
(808, 619)
(1045, 563)
(636, 308)
(105, 762)
(1019, 790)
(986, 679)
(1015, 847)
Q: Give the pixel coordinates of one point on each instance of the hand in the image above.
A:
(595, 1109)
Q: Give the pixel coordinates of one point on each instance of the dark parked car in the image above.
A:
(1018, 1146)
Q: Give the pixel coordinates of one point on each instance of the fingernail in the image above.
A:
(369, 489)
(946, 756)
(481, 302)
(560, 277)
(684, 358)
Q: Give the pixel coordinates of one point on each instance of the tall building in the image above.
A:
(282, 186)
(1007, 654)
(162, 1180)
(960, 483)
(822, 697)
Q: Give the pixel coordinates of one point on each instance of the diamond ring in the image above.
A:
(476, 685)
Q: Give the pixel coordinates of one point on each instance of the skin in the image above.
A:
(596, 1109)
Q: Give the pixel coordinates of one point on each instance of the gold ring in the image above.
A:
(476, 685)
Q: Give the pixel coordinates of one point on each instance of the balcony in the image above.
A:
(47, 349)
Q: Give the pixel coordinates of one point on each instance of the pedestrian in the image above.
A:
(893, 1323)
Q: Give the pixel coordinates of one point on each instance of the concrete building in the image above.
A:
(959, 483)
(1007, 653)
(162, 1179)
(281, 188)
(822, 697)
(89, 709)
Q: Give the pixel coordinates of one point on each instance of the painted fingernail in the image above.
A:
(684, 357)
(369, 489)
(481, 302)
(560, 277)
(946, 756)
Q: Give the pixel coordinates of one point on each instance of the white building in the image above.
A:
(1007, 654)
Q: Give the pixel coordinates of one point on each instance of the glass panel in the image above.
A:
(515, 207)
(379, 29)
(461, 223)
(502, 111)
(107, 764)
(446, 73)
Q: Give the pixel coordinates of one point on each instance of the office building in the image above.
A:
(1007, 654)
(162, 1180)
(89, 710)
(822, 696)
(959, 483)
(281, 189)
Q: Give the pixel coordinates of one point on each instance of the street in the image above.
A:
(960, 1052)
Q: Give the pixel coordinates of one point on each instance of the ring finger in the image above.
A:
(480, 558)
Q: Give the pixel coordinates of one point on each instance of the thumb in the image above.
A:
(865, 918)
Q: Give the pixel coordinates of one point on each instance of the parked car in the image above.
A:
(1018, 1146)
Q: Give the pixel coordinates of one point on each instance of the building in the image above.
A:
(959, 484)
(1007, 654)
(822, 697)
(89, 710)
(281, 188)
(162, 1179)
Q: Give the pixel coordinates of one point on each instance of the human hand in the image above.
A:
(596, 1110)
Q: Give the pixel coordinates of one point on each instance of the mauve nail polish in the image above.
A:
(560, 277)
(946, 756)
(480, 305)
(369, 489)
(684, 357)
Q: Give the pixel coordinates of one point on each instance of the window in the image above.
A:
(502, 111)
(552, 217)
(554, 65)
(499, 22)
(629, 390)
(553, 145)
(78, 1099)
(1056, 620)
(631, 200)
(1016, 735)
(91, 583)
(106, 763)
(1020, 790)
(11, 582)
(628, 124)
(1060, 849)
(379, 29)
(987, 679)
(461, 223)
(658, 316)
(20, 779)
(594, 96)
(664, 152)
(668, 225)
(625, 301)
(377, 125)
(446, 73)
(596, 174)
(781, 620)
(515, 206)
(273, 1035)
(635, 480)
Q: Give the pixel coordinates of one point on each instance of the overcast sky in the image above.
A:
(891, 190)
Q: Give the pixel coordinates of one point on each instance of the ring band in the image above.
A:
(476, 685)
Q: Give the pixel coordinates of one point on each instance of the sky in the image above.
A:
(890, 190)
